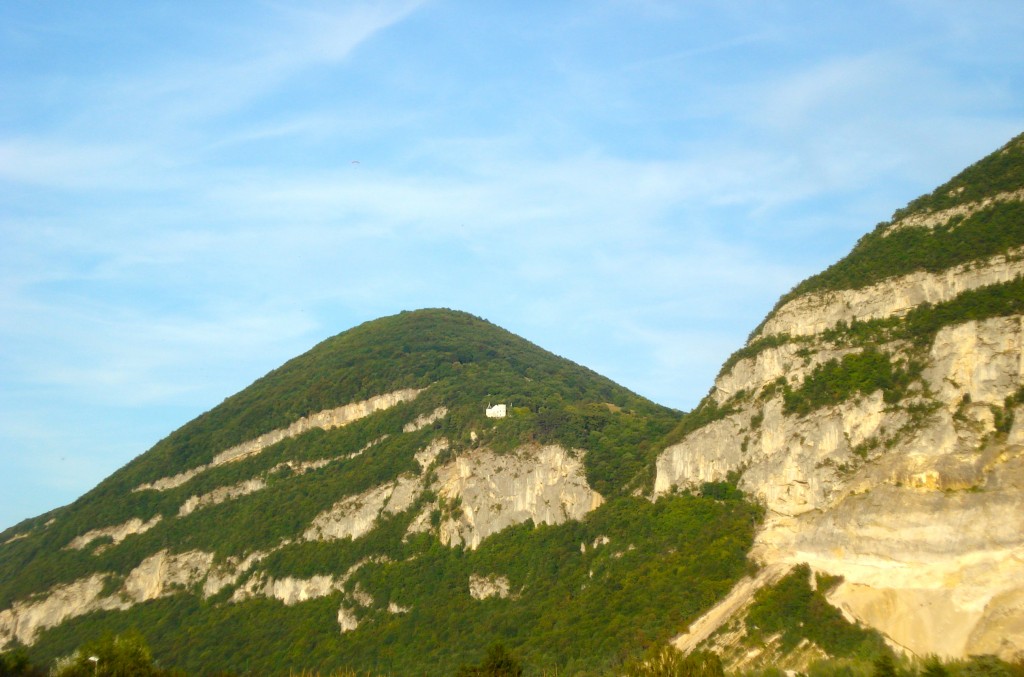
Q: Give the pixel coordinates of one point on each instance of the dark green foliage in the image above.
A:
(16, 663)
(838, 380)
(721, 491)
(708, 411)
(1004, 416)
(1000, 172)
(933, 667)
(753, 348)
(464, 362)
(992, 230)
(989, 666)
(124, 655)
(666, 661)
(499, 662)
(791, 607)
(884, 666)
(665, 564)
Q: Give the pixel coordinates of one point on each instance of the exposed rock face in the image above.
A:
(118, 533)
(160, 574)
(944, 216)
(427, 419)
(347, 620)
(813, 313)
(919, 505)
(24, 619)
(546, 484)
(156, 576)
(288, 590)
(789, 463)
(356, 515)
(220, 495)
(325, 420)
(482, 587)
(738, 599)
(980, 360)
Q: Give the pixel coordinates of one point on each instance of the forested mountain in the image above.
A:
(422, 487)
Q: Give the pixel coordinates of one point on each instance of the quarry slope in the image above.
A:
(878, 414)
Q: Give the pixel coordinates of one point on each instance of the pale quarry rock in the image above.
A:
(361, 597)
(482, 587)
(291, 591)
(288, 590)
(980, 360)
(790, 361)
(423, 421)
(913, 570)
(118, 533)
(544, 483)
(784, 461)
(347, 620)
(158, 575)
(356, 515)
(221, 494)
(926, 526)
(324, 420)
(26, 618)
(228, 573)
(429, 454)
(1016, 436)
(815, 312)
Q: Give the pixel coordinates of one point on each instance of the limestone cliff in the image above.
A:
(914, 494)
(489, 492)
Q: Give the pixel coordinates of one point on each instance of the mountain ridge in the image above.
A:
(363, 504)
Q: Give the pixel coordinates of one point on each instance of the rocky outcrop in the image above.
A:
(156, 576)
(117, 533)
(288, 590)
(347, 620)
(24, 619)
(918, 504)
(488, 492)
(792, 464)
(979, 361)
(423, 421)
(356, 515)
(813, 313)
(324, 420)
(943, 216)
(166, 573)
(482, 587)
(220, 495)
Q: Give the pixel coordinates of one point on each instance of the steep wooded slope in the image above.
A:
(358, 507)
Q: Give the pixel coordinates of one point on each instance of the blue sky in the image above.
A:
(192, 193)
